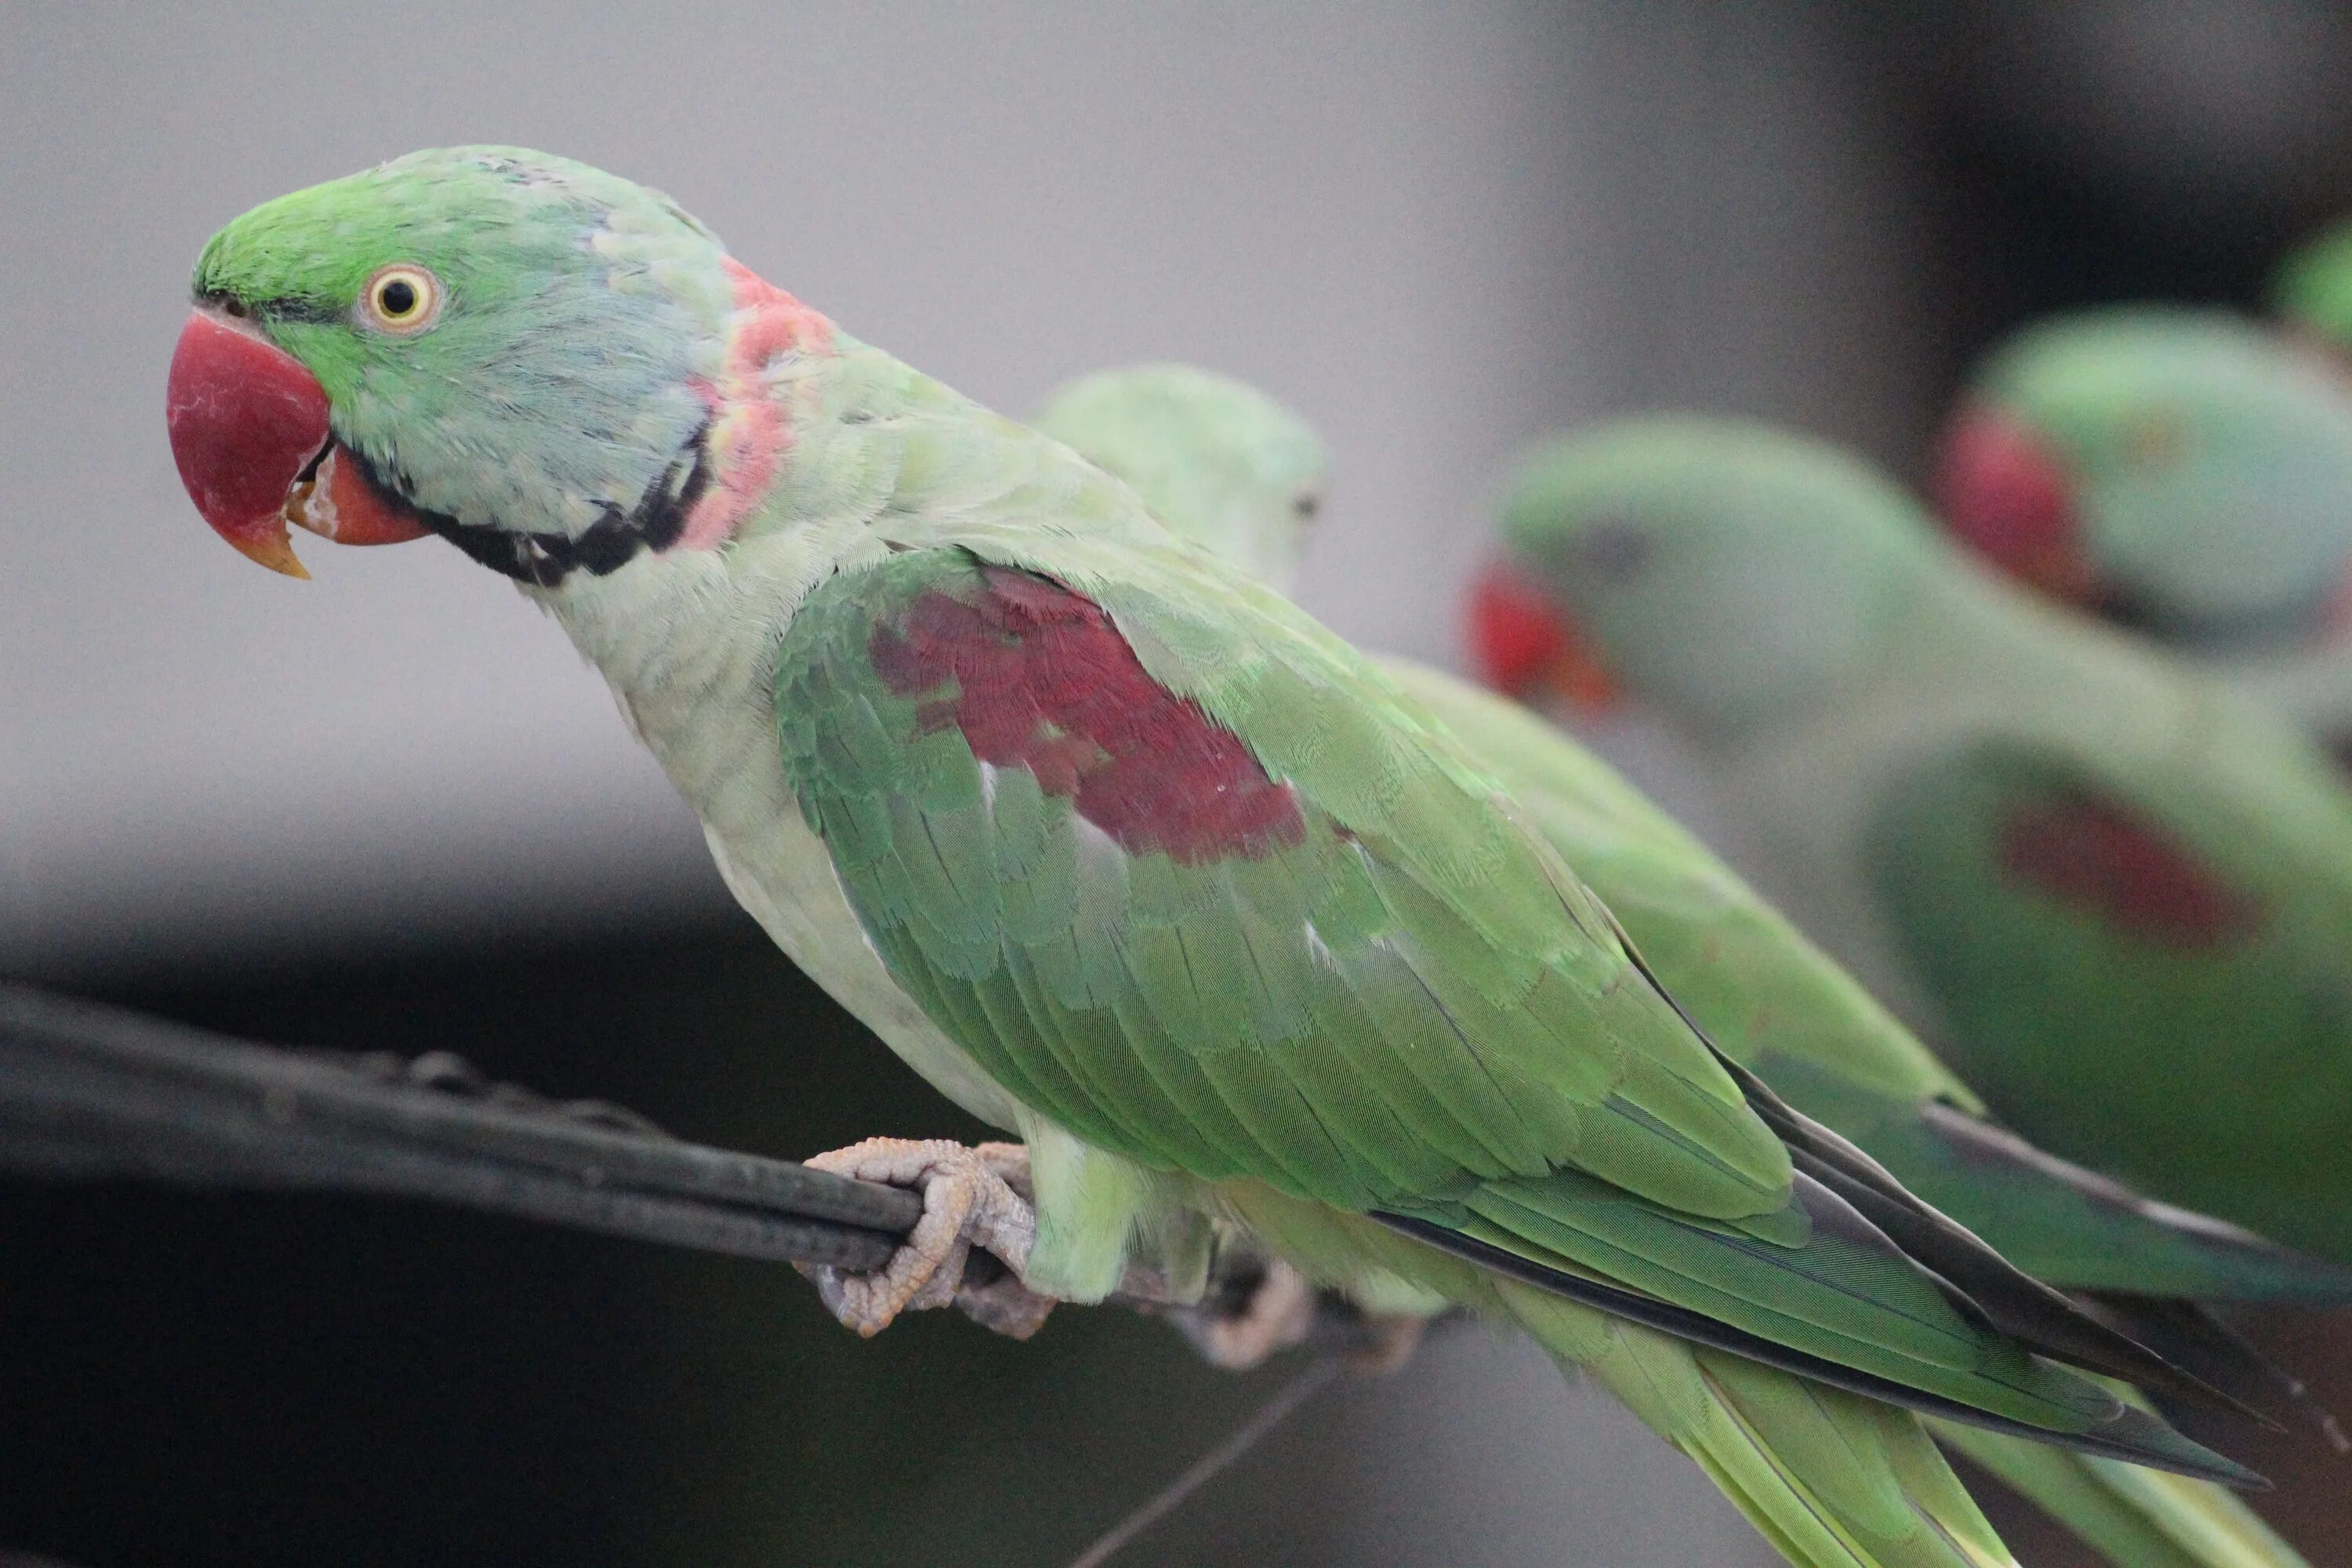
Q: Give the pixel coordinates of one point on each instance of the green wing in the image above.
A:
(1187, 953)
(2152, 981)
(1771, 1000)
(1330, 957)
(1762, 991)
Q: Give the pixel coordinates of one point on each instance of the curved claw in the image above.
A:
(971, 1197)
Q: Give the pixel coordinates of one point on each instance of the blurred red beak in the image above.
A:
(249, 432)
(2005, 496)
(1526, 648)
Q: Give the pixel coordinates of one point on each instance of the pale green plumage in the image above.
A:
(1245, 477)
(2207, 466)
(2136, 1518)
(1773, 1001)
(1391, 1033)
(2312, 288)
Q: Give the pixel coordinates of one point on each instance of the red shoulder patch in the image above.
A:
(2098, 857)
(1043, 680)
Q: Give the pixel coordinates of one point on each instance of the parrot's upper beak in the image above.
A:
(2003, 493)
(1526, 648)
(249, 432)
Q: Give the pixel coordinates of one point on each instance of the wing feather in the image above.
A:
(1338, 962)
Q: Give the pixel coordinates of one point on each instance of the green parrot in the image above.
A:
(2312, 289)
(1115, 846)
(1217, 460)
(2184, 472)
(2118, 892)
(1222, 464)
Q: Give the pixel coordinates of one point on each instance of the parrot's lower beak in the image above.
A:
(249, 432)
(2006, 496)
(1526, 648)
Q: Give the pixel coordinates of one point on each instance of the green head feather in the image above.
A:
(2313, 286)
(570, 317)
(1214, 458)
(2208, 462)
(1727, 570)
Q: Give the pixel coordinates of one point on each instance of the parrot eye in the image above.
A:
(1305, 505)
(401, 299)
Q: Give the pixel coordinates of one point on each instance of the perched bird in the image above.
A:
(2311, 291)
(1217, 460)
(2183, 472)
(2117, 893)
(1117, 848)
(1220, 463)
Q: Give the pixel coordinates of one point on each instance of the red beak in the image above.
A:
(249, 432)
(2005, 496)
(1525, 646)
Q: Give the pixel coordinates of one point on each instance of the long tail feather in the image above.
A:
(2190, 1335)
(2121, 1430)
(2134, 1518)
(1832, 1479)
(2079, 1230)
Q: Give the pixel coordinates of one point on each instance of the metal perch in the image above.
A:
(95, 1092)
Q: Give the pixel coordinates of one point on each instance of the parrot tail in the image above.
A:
(1832, 1479)
(2134, 1517)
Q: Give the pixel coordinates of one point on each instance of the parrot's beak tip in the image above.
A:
(275, 553)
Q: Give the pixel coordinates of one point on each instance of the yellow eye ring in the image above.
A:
(403, 299)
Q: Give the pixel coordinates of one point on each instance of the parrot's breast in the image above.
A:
(784, 877)
(688, 643)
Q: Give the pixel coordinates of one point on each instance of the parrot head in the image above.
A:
(2312, 289)
(531, 358)
(1724, 571)
(1214, 458)
(2182, 470)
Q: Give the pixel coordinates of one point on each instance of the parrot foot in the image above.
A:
(971, 1197)
(1253, 1317)
(1384, 1342)
(1239, 1328)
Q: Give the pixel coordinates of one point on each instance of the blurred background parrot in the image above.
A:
(2187, 473)
(2115, 892)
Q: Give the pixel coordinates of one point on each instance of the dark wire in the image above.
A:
(94, 1092)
